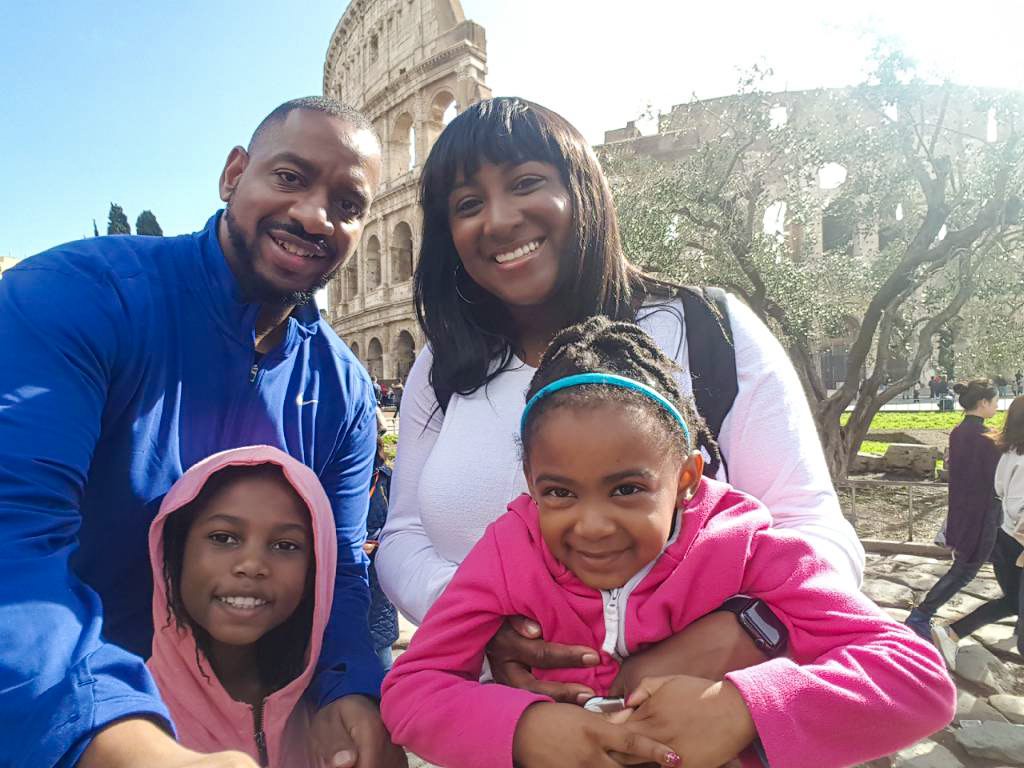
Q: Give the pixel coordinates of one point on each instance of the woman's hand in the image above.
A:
(349, 732)
(518, 646)
(706, 722)
(565, 736)
(707, 648)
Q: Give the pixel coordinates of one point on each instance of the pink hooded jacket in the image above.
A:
(206, 717)
(856, 685)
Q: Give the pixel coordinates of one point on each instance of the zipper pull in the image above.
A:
(253, 371)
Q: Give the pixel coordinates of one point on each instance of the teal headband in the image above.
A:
(610, 379)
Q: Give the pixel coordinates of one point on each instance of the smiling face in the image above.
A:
(606, 491)
(247, 559)
(297, 204)
(512, 227)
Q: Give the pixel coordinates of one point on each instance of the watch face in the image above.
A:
(765, 624)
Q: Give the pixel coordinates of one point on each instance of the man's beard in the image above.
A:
(255, 289)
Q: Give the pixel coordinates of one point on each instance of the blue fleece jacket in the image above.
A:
(123, 361)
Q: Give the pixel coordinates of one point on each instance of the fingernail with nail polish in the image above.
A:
(672, 760)
(343, 759)
(590, 659)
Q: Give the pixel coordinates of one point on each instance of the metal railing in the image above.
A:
(876, 510)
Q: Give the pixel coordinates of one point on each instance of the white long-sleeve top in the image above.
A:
(456, 472)
(1010, 488)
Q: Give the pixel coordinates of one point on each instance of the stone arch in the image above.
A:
(372, 276)
(402, 147)
(401, 253)
(838, 227)
(375, 358)
(439, 115)
(354, 346)
(350, 278)
(405, 354)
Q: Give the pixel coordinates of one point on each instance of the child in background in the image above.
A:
(243, 551)
(621, 543)
(383, 616)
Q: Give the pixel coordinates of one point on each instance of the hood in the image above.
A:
(206, 717)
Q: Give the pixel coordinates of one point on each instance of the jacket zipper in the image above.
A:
(253, 372)
(258, 734)
(612, 626)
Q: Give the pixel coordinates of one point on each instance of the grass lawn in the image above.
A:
(903, 420)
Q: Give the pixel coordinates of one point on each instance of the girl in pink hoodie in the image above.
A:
(622, 543)
(243, 552)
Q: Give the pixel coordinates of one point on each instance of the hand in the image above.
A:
(706, 722)
(707, 648)
(518, 646)
(135, 742)
(348, 733)
(560, 735)
(370, 546)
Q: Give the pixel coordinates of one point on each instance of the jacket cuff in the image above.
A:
(108, 685)
(331, 684)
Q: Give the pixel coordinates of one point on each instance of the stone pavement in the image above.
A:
(988, 731)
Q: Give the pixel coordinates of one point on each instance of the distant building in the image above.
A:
(6, 262)
(410, 66)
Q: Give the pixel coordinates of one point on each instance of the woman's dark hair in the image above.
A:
(599, 345)
(281, 653)
(594, 279)
(1011, 436)
(973, 392)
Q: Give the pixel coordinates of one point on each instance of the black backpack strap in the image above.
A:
(712, 358)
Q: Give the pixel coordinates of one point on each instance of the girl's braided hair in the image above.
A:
(600, 345)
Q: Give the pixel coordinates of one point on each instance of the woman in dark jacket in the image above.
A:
(974, 511)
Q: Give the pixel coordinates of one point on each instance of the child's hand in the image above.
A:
(706, 722)
(136, 742)
(561, 735)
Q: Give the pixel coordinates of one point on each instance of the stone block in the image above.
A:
(1011, 707)
(970, 707)
(918, 580)
(917, 460)
(977, 664)
(996, 741)
(925, 754)
(888, 594)
(864, 463)
(1001, 638)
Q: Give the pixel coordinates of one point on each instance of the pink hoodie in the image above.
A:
(206, 717)
(855, 686)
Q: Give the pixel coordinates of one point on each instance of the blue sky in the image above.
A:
(139, 102)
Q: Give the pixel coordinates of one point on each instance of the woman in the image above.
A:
(1008, 554)
(520, 240)
(973, 516)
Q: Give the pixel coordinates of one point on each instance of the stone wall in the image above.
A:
(410, 66)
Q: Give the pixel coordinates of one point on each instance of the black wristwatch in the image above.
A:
(768, 633)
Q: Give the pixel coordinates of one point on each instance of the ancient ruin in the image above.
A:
(410, 66)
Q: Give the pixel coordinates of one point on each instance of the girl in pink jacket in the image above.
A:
(243, 552)
(622, 543)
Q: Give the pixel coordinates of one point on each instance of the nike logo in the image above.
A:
(300, 402)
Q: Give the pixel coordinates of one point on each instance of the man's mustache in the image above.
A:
(296, 230)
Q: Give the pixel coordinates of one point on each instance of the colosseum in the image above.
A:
(410, 66)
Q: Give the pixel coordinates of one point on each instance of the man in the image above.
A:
(125, 360)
